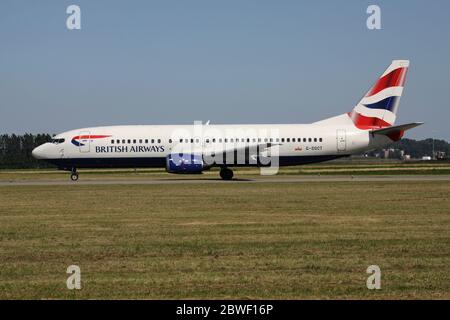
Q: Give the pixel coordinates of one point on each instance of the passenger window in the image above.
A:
(197, 140)
(112, 141)
(304, 139)
(288, 139)
(181, 140)
(271, 139)
(278, 140)
(320, 139)
(123, 141)
(170, 140)
(315, 139)
(140, 140)
(159, 140)
(118, 141)
(134, 140)
(282, 139)
(309, 140)
(129, 141)
(146, 141)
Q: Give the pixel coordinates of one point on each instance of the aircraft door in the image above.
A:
(84, 141)
(341, 140)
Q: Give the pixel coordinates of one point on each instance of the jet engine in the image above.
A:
(184, 163)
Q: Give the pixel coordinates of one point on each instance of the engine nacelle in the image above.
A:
(184, 163)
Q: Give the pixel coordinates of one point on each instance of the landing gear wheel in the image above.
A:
(74, 176)
(226, 174)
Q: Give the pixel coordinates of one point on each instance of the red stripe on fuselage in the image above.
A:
(90, 137)
(395, 78)
(366, 123)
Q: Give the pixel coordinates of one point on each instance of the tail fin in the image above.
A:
(378, 108)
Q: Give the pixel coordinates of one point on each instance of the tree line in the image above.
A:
(15, 150)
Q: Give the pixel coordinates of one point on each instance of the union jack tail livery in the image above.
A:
(378, 108)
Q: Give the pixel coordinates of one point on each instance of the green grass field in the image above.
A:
(278, 241)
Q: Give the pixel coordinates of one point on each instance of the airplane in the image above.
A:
(192, 149)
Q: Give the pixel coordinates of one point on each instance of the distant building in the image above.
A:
(392, 154)
(440, 155)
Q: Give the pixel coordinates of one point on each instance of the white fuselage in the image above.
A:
(149, 145)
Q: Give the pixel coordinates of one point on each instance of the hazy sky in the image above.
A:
(152, 62)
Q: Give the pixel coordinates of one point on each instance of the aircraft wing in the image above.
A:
(247, 154)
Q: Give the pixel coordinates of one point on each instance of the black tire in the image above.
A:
(74, 176)
(226, 174)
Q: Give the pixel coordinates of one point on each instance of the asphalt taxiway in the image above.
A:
(209, 180)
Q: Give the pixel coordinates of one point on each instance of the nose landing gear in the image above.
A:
(74, 174)
(226, 174)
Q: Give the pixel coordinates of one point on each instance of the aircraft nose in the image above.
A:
(38, 152)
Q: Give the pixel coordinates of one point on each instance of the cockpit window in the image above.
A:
(58, 141)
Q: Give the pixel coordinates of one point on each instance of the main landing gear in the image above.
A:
(226, 174)
(74, 174)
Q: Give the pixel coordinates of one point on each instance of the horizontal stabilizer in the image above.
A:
(393, 129)
(396, 132)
